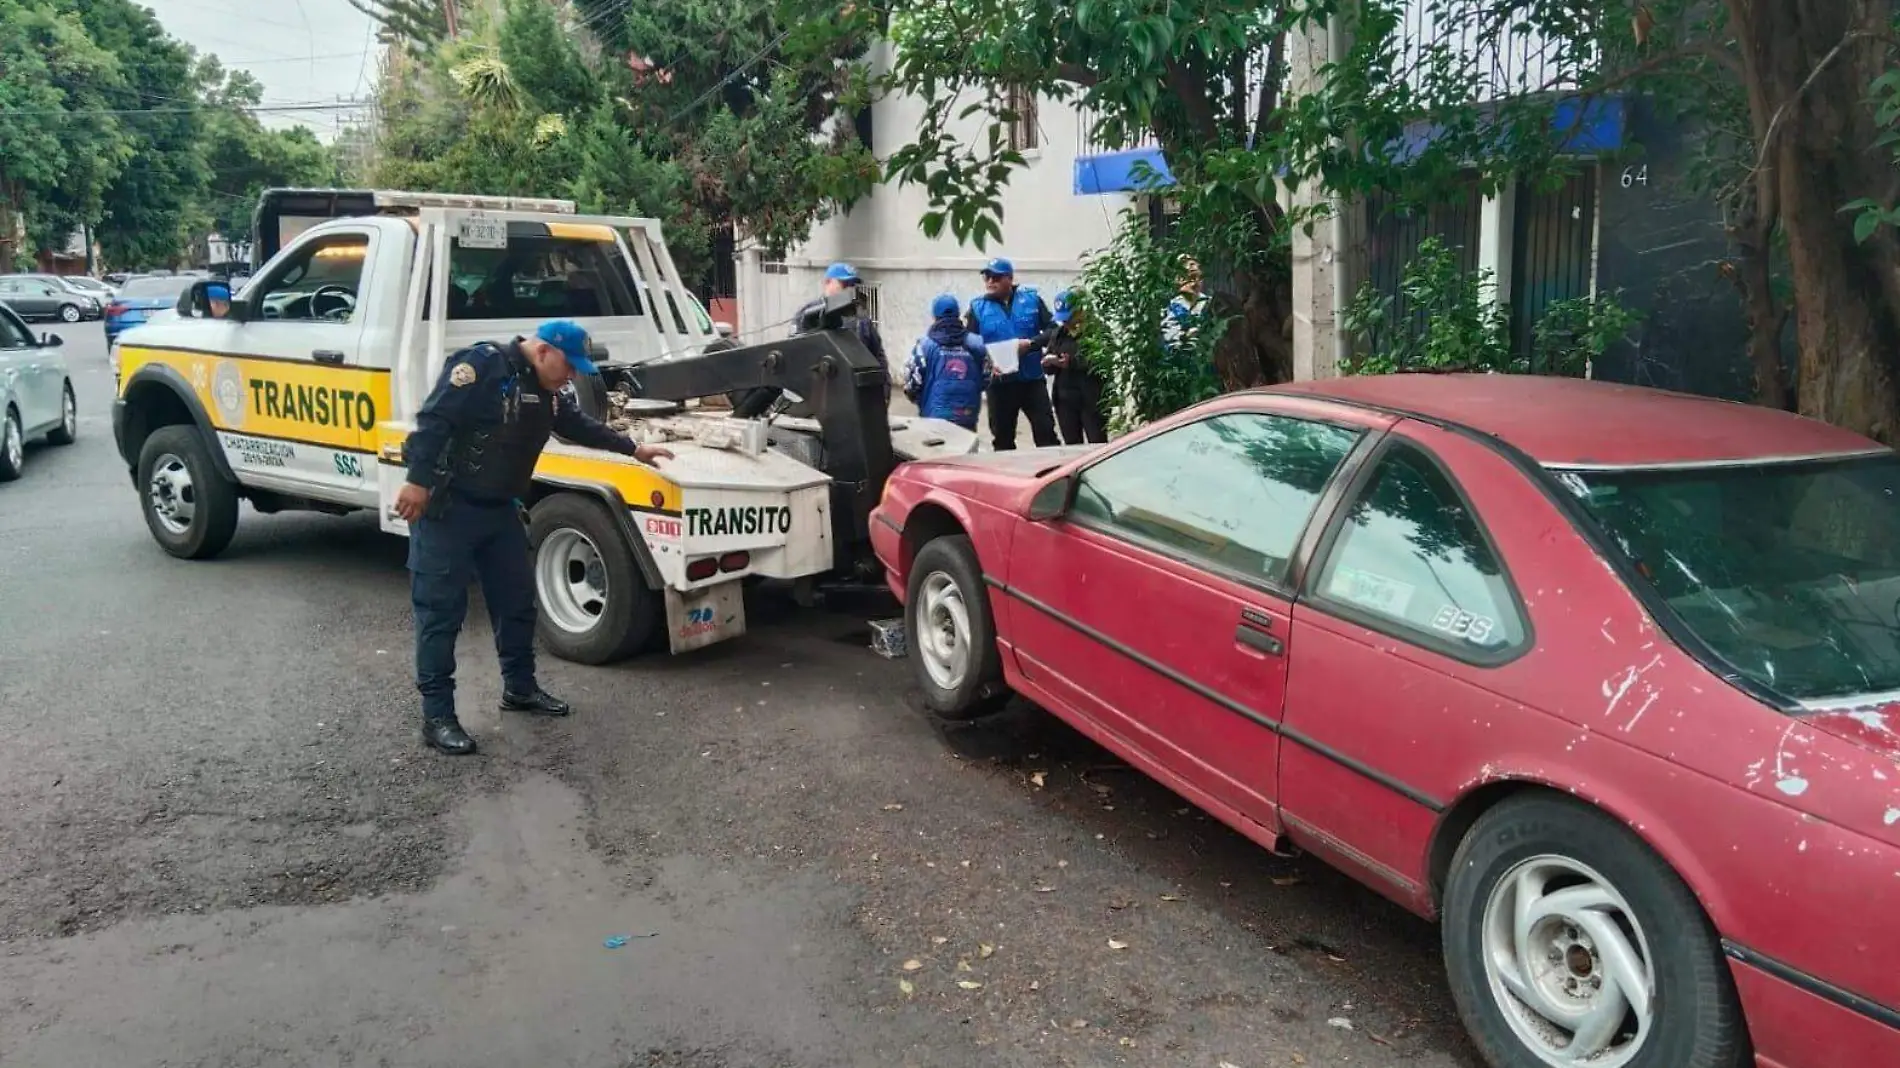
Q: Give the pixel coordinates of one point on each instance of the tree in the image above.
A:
(242, 157)
(419, 25)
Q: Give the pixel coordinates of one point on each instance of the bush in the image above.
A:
(1125, 293)
(1444, 319)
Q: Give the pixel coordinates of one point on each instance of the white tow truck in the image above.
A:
(301, 398)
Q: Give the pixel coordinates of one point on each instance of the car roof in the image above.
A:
(1570, 422)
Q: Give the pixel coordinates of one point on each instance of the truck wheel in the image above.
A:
(951, 632)
(1568, 940)
(191, 509)
(592, 391)
(596, 607)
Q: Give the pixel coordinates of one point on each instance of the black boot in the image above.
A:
(538, 702)
(447, 735)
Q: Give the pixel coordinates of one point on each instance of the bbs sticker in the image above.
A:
(1459, 623)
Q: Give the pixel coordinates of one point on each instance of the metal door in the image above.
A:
(1553, 253)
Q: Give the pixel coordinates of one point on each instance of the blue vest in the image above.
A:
(953, 383)
(1022, 319)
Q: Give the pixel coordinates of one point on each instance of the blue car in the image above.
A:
(140, 299)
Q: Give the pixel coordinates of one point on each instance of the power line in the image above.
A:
(730, 78)
(259, 109)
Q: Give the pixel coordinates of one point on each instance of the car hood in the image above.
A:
(1020, 463)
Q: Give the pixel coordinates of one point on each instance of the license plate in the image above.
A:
(482, 231)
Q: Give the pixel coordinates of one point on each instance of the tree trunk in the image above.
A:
(1257, 349)
(1811, 75)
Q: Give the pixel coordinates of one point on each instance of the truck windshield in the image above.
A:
(1788, 571)
(540, 277)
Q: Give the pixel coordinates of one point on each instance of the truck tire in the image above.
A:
(1603, 914)
(952, 634)
(595, 607)
(191, 510)
(592, 391)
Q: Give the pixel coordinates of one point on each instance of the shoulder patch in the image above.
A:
(463, 374)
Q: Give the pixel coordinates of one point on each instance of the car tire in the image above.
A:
(68, 313)
(952, 633)
(594, 606)
(191, 510)
(12, 446)
(67, 431)
(1611, 915)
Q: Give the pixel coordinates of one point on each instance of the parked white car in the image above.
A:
(36, 393)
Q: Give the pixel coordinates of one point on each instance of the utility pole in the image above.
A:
(448, 15)
(1328, 256)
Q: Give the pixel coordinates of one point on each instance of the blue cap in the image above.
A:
(945, 304)
(1000, 266)
(841, 272)
(1065, 305)
(218, 291)
(571, 338)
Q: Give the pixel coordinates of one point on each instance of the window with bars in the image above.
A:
(1025, 130)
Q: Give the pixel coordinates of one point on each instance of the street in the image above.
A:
(222, 843)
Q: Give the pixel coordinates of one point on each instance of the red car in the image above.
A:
(1605, 679)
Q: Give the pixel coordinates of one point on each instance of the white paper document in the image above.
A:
(1004, 357)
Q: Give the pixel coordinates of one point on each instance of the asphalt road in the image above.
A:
(221, 844)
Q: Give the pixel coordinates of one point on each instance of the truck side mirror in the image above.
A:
(240, 311)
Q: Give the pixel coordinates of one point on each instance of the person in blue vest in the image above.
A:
(1006, 312)
(948, 368)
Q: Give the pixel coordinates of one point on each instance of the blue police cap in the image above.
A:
(1000, 268)
(571, 338)
(1066, 302)
(842, 272)
(945, 304)
(217, 291)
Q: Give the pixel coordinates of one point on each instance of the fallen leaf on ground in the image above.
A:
(1101, 788)
(969, 984)
(1227, 1064)
(964, 966)
(913, 964)
(1340, 1022)
(1045, 889)
(1035, 984)
(1170, 897)
(1036, 779)
(1379, 1039)
(1112, 944)
(938, 940)
(1126, 1041)
(1285, 880)
(906, 987)
(984, 951)
(1077, 1025)
(893, 808)
(1335, 959)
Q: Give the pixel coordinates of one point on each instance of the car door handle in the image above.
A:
(327, 356)
(1254, 638)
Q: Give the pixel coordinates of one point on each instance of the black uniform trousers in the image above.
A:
(1028, 397)
(1078, 403)
(470, 541)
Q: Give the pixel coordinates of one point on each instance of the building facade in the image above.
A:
(1048, 229)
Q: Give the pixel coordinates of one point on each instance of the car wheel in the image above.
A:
(68, 313)
(68, 429)
(1569, 941)
(191, 509)
(952, 634)
(595, 606)
(12, 447)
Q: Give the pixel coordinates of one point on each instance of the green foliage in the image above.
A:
(243, 157)
(1443, 319)
(697, 113)
(1125, 290)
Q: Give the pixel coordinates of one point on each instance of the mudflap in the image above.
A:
(702, 617)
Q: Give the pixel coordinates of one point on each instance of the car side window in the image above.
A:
(318, 284)
(1235, 491)
(13, 333)
(1411, 557)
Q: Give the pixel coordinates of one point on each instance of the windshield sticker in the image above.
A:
(1369, 590)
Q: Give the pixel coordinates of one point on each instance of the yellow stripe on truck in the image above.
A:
(337, 407)
(639, 485)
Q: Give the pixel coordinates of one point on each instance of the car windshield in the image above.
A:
(1790, 572)
(148, 288)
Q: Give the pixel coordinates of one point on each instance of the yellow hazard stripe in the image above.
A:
(290, 400)
(580, 231)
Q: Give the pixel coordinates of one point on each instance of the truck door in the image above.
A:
(296, 390)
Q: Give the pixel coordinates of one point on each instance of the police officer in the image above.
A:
(1077, 385)
(1009, 312)
(471, 460)
(840, 277)
(947, 370)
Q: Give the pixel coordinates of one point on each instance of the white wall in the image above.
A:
(1047, 230)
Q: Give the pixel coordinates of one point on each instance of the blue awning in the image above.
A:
(1116, 172)
(1582, 126)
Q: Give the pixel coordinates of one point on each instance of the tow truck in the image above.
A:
(301, 398)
